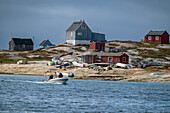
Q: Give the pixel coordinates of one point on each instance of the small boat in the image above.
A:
(57, 80)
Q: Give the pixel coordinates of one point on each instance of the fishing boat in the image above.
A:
(59, 78)
(57, 81)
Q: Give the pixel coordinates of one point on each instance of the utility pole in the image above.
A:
(33, 42)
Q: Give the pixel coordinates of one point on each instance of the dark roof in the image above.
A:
(106, 54)
(97, 33)
(20, 41)
(75, 26)
(45, 42)
(155, 32)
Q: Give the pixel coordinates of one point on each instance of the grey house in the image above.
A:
(21, 44)
(80, 34)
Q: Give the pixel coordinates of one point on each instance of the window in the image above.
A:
(79, 33)
(71, 34)
(83, 26)
(124, 59)
(110, 59)
(23, 45)
(149, 37)
(157, 37)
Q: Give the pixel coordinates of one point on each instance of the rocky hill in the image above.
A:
(139, 52)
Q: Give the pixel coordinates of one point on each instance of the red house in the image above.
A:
(157, 36)
(97, 46)
(101, 57)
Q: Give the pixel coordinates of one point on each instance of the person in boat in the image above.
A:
(51, 77)
(60, 75)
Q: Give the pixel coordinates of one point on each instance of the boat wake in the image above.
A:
(38, 82)
(34, 82)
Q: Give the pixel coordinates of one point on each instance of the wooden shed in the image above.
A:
(102, 57)
(157, 36)
(20, 44)
(97, 46)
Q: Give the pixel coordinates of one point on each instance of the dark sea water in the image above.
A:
(30, 94)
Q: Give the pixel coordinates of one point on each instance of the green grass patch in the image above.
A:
(111, 44)
(61, 51)
(8, 61)
(61, 45)
(37, 50)
(139, 44)
(165, 67)
(78, 49)
(4, 55)
(87, 47)
(163, 52)
(148, 45)
(38, 59)
(4, 58)
(150, 53)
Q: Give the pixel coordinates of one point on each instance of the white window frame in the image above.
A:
(111, 59)
(71, 34)
(79, 33)
(157, 37)
(23, 45)
(124, 59)
(149, 38)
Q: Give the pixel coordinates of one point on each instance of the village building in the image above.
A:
(97, 46)
(20, 44)
(157, 36)
(112, 49)
(80, 34)
(102, 57)
(45, 43)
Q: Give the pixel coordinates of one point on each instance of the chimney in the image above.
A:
(81, 20)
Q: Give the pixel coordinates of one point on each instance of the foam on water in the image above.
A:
(22, 81)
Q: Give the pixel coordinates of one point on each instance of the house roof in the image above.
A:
(75, 26)
(20, 41)
(106, 54)
(45, 41)
(98, 33)
(155, 32)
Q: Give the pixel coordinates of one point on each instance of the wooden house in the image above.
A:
(97, 46)
(157, 36)
(102, 57)
(45, 43)
(80, 34)
(20, 44)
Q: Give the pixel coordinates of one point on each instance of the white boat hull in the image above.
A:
(57, 81)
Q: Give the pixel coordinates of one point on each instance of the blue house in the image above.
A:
(80, 34)
(45, 43)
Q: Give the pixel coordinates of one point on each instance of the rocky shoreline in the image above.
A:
(116, 74)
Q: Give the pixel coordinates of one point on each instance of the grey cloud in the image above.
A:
(118, 19)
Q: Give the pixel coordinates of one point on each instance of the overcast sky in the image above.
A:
(49, 19)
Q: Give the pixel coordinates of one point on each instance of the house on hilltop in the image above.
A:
(101, 57)
(45, 43)
(157, 36)
(20, 44)
(80, 34)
